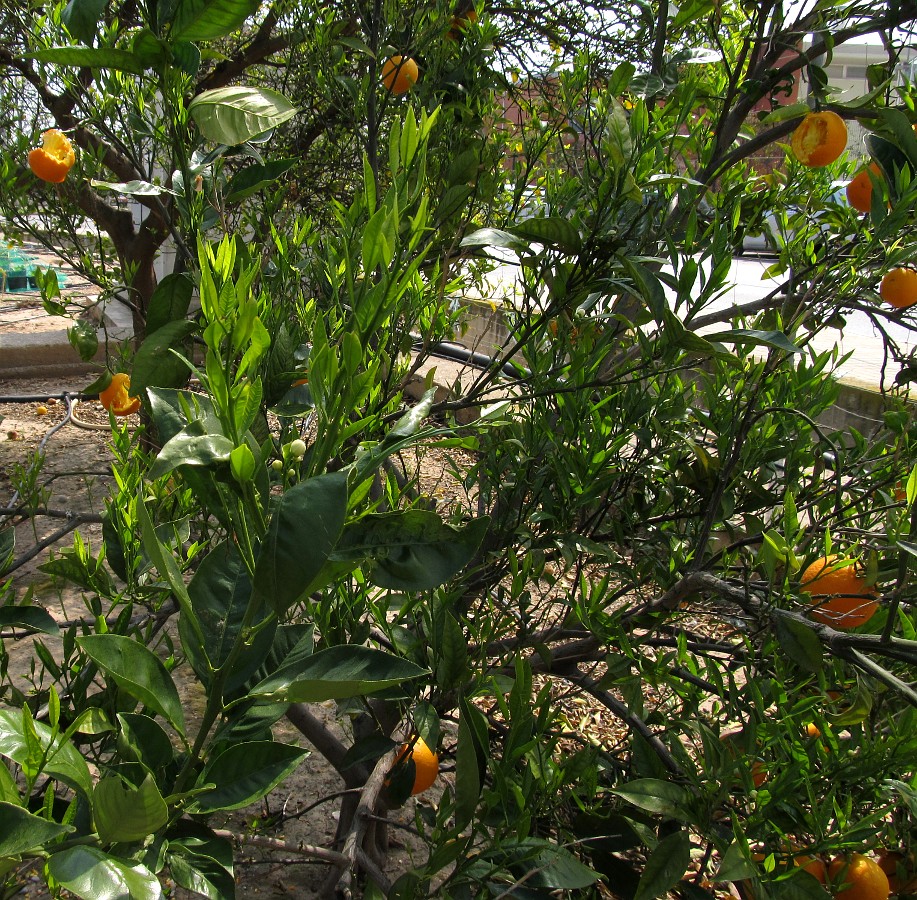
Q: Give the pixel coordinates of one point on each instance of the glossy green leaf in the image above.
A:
(244, 773)
(155, 365)
(84, 340)
(234, 115)
(89, 57)
(470, 762)
(252, 179)
(411, 550)
(170, 302)
(30, 618)
(81, 18)
(207, 20)
(666, 866)
(552, 230)
(735, 864)
(132, 188)
(64, 762)
(494, 237)
(9, 789)
(200, 875)
(304, 527)
(20, 831)
(94, 875)
(192, 448)
(750, 337)
(145, 740)
(656, 796)
(124, 814)
(138, 671)
(7, 548)
(337, 673)
(800, 643)
(546, 865)
(172, 410)
(220, 592)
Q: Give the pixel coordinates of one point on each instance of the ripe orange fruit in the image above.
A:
(862, 876)
(426, 764)
(758, 773)
(400, 74)
(859, 188)
(460, 23)
(840, 596)
(819, 139)
(116, 397)
(900, 870)
(899, 287)
(54, 158)
(814, 865)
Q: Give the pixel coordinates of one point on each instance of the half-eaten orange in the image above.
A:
(54, 158)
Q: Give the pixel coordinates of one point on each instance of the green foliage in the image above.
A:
(636, 471)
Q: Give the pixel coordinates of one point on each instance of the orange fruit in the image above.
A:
(899, 287)
(116, 397)
(862, 876)
(54, 158)
(900, 870)
(400, 74)
(426, 764)
(859, 188)
(819, 139)
(758, 770)
(814, 865)
(840, 596)
(460, 23)
(812, 730)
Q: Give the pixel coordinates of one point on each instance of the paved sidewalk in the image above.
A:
(859, 337)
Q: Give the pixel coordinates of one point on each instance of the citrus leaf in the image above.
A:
(207, 20)
(170, 302)
(125, 814)
(81, 18)
(236, 114)
(551, 230)
(63, 762)
(134, 188)
(31, 618)
(656, 796)
(337, 673)
(244, 773)
(89, 57)
(20, 831)
(138, 671)
(754, 338)
(800, 643)
(303, 530)
(735, 866)
(154, 364)
(665, 867)
(93, 875)
(252, 178)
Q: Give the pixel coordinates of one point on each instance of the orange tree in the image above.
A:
(641, 470)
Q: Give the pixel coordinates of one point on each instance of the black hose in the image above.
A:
(460, 353)
(38, 398)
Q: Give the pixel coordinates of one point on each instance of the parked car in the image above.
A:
(765, 241)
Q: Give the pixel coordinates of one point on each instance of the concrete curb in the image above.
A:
(49, 353)
(46, 354)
